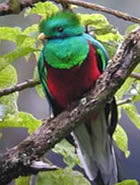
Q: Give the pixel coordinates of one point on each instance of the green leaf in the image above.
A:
(132, 113)
(32, 31)
(135, 93)
(9, 33)
(137, 69)
(97, 20)
(8, 77)
(23, 181)
(40, 91)
(25, 41)
(3, 111)
(136, 98)
(37, 53)
(131, 27)
(124, 88)
(128, 182)
(38, 88)
(111, 47)
(21, 119)
(110, 37)
(10, 101)
(121, 139)
(62, 177)
(103, 31)
(14, 55)
(45, 9)
(68, 152)
(119, 111)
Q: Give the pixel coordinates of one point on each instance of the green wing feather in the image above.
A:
(43, 74)
(100, 50)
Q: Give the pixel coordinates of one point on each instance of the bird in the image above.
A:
(69, 65)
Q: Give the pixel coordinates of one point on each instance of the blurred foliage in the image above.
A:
(128, 182)
(65, 176)
(131, 28)
(21, 119)
(8, 77)
(68, 152)
(45, 10)
(26, 44)
(3, 111)
(120, 137)
(103, 31)
(38, 87)
(23, 181)
(132, 113)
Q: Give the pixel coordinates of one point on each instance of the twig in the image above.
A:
(96, 7)
(135, 75)
(5, 8)
(19, 87)
(18, 160)
(127, 100)
(42, 166)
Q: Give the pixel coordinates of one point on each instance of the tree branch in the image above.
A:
(38, 166)
(96, 7)
(19, 87)
(135, 75)
(122, 102)
(19, 159)
(6, 9)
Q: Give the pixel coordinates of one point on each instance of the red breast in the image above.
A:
(66, 85)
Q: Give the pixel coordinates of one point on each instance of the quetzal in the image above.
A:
(69, 65)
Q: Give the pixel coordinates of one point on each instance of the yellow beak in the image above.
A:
(41, 36)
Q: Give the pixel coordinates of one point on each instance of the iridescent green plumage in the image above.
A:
(68, 44)
(74, 51)
(65, 19)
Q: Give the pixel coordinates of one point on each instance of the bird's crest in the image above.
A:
(64, 15)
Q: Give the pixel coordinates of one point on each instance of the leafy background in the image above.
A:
(21, 43)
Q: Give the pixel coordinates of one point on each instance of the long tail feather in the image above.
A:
(95, 150)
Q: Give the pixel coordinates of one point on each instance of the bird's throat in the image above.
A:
(67, 52)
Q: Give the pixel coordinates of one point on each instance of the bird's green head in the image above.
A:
(61, 25)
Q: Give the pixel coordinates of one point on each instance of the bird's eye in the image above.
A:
(60, 29)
